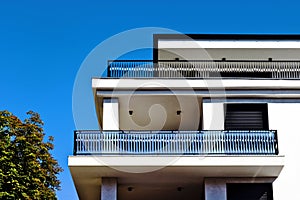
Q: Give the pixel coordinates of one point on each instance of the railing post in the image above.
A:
(75, 144)
(108, 68)
(276, 142)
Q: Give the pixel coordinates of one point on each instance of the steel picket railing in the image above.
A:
(203, 69)
(176, 142)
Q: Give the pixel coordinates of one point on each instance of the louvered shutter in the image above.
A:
(246, 117)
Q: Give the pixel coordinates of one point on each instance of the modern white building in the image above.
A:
(211, 117)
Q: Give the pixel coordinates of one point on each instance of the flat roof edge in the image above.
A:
(228, 36)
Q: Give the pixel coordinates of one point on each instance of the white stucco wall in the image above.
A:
(229, 54)
(111, 114)
(213, 116)
(285, 117)
(230, 49)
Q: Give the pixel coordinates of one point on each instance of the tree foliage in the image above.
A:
(27, 169)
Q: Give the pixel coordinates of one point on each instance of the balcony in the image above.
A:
(175, 142)
(204, 69)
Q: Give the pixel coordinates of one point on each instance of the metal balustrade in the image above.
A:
(175, 142)
(203, 69)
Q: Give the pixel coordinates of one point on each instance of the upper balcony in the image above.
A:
(204, 69)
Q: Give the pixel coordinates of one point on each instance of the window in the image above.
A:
(249, 191)
(246, 116)
(247, 74)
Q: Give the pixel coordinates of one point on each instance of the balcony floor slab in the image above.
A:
(167, 171)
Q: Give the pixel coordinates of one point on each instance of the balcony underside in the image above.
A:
(192, 85)
(142, 172)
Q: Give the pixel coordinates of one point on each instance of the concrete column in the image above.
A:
(213, 116)
(215, 189)
(109, 189)
(110, 114)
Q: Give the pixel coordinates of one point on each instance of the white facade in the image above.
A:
(158, 105)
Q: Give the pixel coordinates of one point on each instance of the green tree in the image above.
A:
(27, 169)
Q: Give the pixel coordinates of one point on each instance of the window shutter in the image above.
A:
(246, 117)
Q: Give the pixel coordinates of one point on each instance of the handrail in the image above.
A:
(242, 142)
(278, 69)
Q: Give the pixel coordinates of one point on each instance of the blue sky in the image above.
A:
(43, 43)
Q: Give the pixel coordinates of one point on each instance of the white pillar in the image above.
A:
(215, 189)
(109, 189)
(110, 114)
(213, 116)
